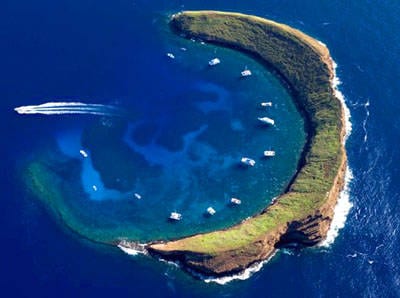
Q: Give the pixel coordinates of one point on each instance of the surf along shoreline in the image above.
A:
(303, 213)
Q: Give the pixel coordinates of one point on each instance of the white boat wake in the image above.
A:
(60, 108)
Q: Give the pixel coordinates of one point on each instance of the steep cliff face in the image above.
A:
(224, 262)
(306, 231)
(303, 214)
(313, 229)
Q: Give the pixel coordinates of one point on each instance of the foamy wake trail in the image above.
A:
(59, 108)
(343, 205)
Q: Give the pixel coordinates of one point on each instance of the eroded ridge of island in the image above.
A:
(302, 214)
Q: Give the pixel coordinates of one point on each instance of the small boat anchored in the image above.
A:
(83, 153)
(246, 73)
(266, 120)
(211, 211)
(269, 153)
(137, 196)
(170, 55)
(266, 104)
(175, 216)
(214, 61)
(235, 201)
(248, 161)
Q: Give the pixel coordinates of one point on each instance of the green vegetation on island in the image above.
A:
(305, 65)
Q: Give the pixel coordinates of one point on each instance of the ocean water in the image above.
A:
(175, 112)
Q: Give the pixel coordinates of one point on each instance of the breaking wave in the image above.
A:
(245, 274)
(339, 95)
(60, 108)
(343, 204)
(131, 248)
(341, 211)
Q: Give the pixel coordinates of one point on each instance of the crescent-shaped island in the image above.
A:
(303, 213)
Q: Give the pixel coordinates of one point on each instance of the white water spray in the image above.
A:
(59, 108)
(343, 204)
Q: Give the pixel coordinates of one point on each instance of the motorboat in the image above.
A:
(269, 153)
(248, 161)
(211, 211)
(266, 104)
(175, 216)
(266, 120)
(236, 201)
(83, 153)
(170, 55)
(137, 196)
(94, 187)
(246, 73)
(214, 61)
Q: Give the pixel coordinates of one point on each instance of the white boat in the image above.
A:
(214, 61)
(266, 120)
(248, 161)
(94, 187)
(211, 210)
(183, 49)
(246, 73)
(137, 196)
(83, 153)
(236, 201)
(175, 216)
(170, 55)
(266, 104)
(269, 153)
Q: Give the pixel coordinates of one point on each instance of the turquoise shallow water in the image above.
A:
(180, 149)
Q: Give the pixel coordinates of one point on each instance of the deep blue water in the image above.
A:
(69, 49)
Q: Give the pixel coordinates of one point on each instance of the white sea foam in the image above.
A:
(59, 108)
(339, 95)
(364, 124)
(131, 248)
(245, 274)
(341, 211)
(343, 204)
(128, 250)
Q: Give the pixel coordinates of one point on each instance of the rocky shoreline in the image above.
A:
(206, 253)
